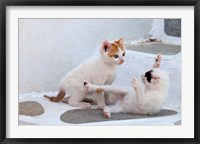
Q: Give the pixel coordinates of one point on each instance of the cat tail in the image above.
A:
(57, 98)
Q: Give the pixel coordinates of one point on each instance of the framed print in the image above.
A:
(99, 71)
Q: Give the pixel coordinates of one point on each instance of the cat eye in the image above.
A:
(116, 56)
(123, 54)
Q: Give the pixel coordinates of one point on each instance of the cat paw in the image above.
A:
(143, 78)
(158, 58)
(86, 106)
(106, 115)
(157, 61)
(134, 82)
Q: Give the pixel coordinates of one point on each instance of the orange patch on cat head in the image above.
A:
(120, 43)
(113, 49)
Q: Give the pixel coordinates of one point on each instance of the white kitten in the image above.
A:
(147, 101)
(100, 70)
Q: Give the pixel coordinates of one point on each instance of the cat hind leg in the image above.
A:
(97, 93)
(108, 110)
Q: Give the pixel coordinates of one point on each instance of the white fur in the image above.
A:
(95, 71)
(147, 100)
(98, 70)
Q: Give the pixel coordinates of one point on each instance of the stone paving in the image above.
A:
(30, 108)
(155, 48)
(79, 116)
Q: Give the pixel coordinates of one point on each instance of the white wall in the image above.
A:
(49, 48)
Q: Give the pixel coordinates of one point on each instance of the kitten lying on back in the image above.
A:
(100, 70)
(147, 101)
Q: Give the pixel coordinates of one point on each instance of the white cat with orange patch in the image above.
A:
(100, 70)
(138, 101)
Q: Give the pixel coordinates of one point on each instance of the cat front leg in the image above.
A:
(157, 61)
(90, 88)
(138, 90)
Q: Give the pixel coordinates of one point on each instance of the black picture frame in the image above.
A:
(5, 3)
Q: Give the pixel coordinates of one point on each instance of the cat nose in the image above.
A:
(121, 61)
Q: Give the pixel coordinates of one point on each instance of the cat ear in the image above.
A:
(120, 41)
(106, 45)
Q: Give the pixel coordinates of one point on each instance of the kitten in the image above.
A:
(147, 101)
(100, 70)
